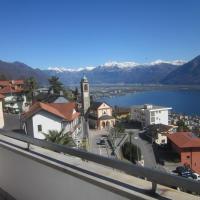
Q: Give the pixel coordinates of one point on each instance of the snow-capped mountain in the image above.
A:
(63, 69)
(114, 72)
(118, 72)
(116, 65)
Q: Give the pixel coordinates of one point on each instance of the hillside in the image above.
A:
(113, 73)
(145, 74)
(18, 70)
(187, 74)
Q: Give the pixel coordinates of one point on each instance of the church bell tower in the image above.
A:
(85, 94)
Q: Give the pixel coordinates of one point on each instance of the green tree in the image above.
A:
(76, 93)
(69, 94)
(114, 133)
(30, 86)
(55, 85)
(131, 152)
(181, 126)
(119, 129)
(59, 137)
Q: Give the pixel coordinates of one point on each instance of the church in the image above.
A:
(99, 114)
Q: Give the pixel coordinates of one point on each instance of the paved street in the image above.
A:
(146, 149)
(84, 127)
(94, 136)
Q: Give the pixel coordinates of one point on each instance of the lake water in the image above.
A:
(187, 102)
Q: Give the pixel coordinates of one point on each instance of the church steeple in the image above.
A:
(85, 94)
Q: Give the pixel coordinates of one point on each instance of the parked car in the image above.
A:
(186, 174)
(196, 176)
(101, 142)
(182, 169)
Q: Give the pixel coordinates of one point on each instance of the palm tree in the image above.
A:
(59, 137)
(55, 85)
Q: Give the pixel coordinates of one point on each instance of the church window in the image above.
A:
(85, 87)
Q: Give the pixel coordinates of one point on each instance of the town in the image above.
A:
(145, 135)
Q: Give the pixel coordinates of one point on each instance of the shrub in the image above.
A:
(131, 152)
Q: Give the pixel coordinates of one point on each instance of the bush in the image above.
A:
(131, 152)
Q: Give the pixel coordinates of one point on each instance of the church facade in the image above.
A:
(100, 116)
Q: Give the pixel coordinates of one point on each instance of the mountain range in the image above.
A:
(158, 72)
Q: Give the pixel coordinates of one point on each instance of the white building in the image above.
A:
(149, 114)
(159, 132)
(43, 117)
(15, 99)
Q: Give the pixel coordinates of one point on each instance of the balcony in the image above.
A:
(33, 169)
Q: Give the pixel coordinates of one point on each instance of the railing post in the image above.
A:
(28, 146)
(154, 187)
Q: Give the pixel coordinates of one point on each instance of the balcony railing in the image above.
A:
(152, 175)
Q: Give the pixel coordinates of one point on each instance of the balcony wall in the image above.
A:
(26, 176)
(42, 174)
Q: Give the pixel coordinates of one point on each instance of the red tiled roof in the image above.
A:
(1, 96)
(9, 89)
(62, 110)
(184, 139)
(11, 82)
(17, 82)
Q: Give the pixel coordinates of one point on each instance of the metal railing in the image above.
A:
(153, 175)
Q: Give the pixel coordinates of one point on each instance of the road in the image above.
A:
(94, 136)
(85, 127)
(146, 149)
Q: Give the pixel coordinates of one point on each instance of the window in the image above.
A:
(153, 113)
(188, 157)
(86, 87)
(162, 141)
(104, 112)
(40, 128)
(152, 119)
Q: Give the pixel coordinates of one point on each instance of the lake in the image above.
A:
(187, 102)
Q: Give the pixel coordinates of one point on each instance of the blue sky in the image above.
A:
(79, 33)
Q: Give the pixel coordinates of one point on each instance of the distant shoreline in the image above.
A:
(109, 90)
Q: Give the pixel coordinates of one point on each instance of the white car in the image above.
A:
(196, 176)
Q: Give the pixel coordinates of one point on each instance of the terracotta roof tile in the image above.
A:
(62, 110)
(9, 89)
(11, 82)
(1, 96)
(184, 139)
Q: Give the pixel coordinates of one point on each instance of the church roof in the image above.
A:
(84, 78)
(106, 117)
(96, 105)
